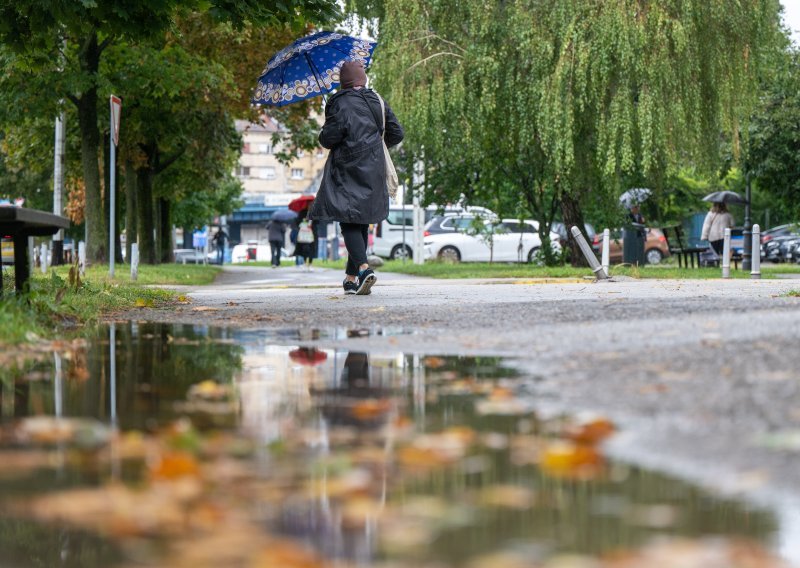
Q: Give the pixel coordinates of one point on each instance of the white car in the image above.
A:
(513, 241)
(389, 237)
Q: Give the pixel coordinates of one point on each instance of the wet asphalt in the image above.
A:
(703, 377)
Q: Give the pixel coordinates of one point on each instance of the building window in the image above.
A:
(243, 171)
(301, 153)
(320, 153)
(265, 148)
(297, 173)
(267, 173)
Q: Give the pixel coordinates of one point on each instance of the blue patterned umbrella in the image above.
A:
(309, 67)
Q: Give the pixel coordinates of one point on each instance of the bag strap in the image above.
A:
(361, 92)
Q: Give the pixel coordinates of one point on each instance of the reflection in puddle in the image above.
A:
(178, 445)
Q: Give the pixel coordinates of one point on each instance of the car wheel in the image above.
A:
(533, 256)
(654, 256)
(400, 252)
(450, 254)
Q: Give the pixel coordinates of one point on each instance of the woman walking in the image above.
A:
(353, 189)
(306, 247)
(716, 221)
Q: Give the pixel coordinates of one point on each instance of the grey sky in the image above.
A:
(791, 16)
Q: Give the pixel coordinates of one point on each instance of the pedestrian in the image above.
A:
(717, 220)
(276, 232)
(219, 242)
(353, 190)
(321, 232)
(306, 247)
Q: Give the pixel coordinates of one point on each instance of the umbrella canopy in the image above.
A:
(302, 202)
(307, 356)
(634, 196)
(284, 215)
(309, 67)
(725, 197)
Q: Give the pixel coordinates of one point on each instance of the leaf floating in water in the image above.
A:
(175, 465)
(571, 460)
(591, 432)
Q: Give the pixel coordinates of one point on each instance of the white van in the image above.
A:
(388, 241)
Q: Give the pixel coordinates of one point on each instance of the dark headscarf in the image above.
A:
(352, 75)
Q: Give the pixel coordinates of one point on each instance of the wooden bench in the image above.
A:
(20, 223)
(685, 254)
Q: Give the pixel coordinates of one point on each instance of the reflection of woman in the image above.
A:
(717, 220)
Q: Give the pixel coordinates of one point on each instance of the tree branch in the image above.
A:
(431, 57)
(73, 99)
(104, 44)
(163, 165)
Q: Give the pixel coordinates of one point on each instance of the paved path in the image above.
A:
(703, 376)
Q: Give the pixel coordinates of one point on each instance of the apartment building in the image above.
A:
(268, 184)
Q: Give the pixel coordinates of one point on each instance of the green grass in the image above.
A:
(161, 274)
(504, 270)
(54, 307)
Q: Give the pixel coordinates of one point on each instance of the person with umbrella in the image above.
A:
(277, 232)
(353, 189)
(717, 220)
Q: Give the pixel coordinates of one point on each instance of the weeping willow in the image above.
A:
(544, 104)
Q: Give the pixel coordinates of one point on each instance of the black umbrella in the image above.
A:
(284, 216)
(725, 197)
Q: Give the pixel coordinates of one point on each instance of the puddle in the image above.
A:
(176, 445)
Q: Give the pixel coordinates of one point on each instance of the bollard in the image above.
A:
(43, 256)
(726, 254)
(605, 262)
(588, 254)
(755, 262)
(82, 258)
(134, 261)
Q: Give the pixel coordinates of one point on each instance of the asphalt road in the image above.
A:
(702, 376)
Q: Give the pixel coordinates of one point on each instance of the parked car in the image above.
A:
(656, 247)
(459, 221)
(777, 248)
(780, 231)
(388, 241)
(513, 241)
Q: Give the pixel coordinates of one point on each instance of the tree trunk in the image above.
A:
(166, 244)
(573, 217)
(96, 228)
(145, 215)
(131, 232)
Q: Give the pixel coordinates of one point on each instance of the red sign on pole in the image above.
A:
(116, 111)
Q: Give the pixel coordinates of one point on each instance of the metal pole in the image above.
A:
(726, 254)
(747, 253)
(112, 166)
(43, 258)
(588, 254)
(403, 216)
(112, 340)
(58, 188)
(606, 250)
(755, 272)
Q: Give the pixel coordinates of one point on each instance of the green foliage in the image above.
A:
(774, 152)
(548, 105)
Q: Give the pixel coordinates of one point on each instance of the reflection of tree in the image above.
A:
(156, 364)
(28, 544)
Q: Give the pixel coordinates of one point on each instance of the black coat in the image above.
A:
(353, 187)
(276, 231)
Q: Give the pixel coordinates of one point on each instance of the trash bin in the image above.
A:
(633, 244)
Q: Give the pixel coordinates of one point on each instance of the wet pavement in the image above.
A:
(149, 444)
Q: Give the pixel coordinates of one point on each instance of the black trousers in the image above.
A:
(275, 247)
(718, 246)
(356, 238)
